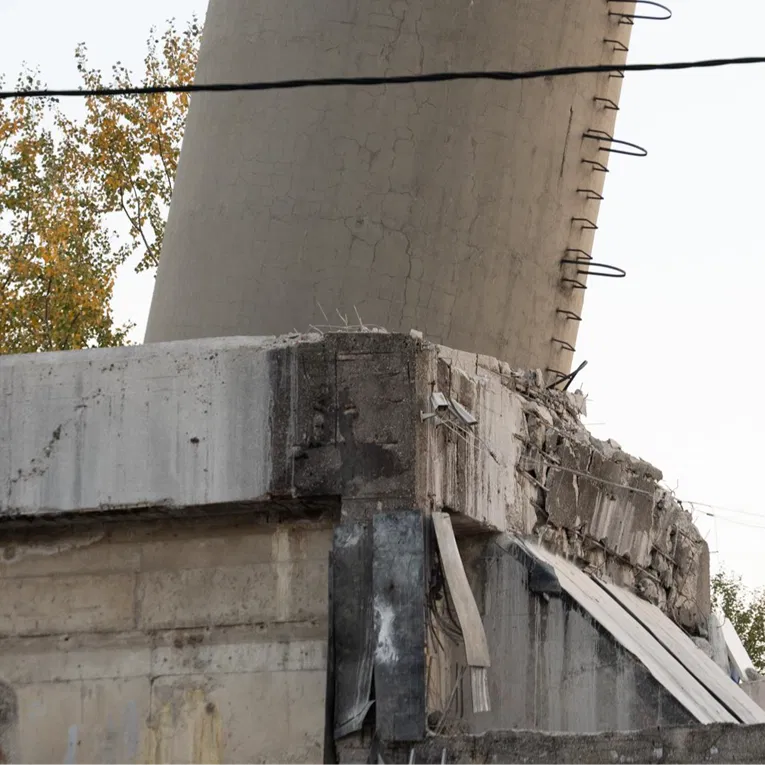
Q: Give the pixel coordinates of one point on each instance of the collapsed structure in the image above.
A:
(285, 548)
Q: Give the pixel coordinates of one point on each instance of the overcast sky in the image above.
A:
(673, 349)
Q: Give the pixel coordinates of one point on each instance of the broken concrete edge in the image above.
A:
(584, 498)
(717, 743)
(269, 510)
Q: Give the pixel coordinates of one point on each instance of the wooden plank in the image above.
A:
(398, 585)
(633, 637)
(474, 635)
(736, 648)
(352, 626)
(689, 655)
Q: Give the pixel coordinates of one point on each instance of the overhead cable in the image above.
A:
(404, 79)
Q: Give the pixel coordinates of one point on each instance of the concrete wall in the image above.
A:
(718, 743)
(166, 642)
(472, 471)
(209, 424)
(180, 426)
(269, 429)
(239, 421)
(443, 207)
(553, 667)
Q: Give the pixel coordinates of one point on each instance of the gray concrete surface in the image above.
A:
(136, 426)
(755, 689)
(287, 422)
(719, 743)
(272, 432)
(446, 208)
(554, 667)
(208, 424)
(197, 641)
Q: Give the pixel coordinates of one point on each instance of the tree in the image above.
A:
(79, 195)
(745, 608)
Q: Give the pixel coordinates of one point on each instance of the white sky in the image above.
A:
(669, 346)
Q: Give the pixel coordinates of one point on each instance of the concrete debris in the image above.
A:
(604, 508)
(718, 742)
(580, 401)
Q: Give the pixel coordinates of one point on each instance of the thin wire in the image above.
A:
(732, 521)
(531, 462)
(525, 462)
(596, 479)
(724, 509)
(328, 82)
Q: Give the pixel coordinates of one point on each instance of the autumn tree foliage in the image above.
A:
(83, 190)
(745, 608)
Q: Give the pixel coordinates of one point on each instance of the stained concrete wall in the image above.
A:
(185, 642)
(446, 207)
(269, 429)
(235, 421)
(553, 667)
(181, 426)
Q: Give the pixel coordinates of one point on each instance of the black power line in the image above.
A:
(327, 82)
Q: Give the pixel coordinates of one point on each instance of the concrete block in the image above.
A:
(232, 595)
(166, 425)
(265, 716)
(56, 604)
(473, 471)
(351, 417)
(81, 722)
(70, 553)
(62, 658)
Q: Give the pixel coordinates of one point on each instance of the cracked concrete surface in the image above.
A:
(443, 207)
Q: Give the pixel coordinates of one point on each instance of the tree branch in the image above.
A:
(137, 227)
(164, 164)
(48, 334)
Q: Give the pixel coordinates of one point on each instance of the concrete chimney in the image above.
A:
(446, 207)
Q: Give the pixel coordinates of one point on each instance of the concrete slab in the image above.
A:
(177, 426)
(688, 654)
(254, 423)
(54, 604)
(663, 665)
(238, 671)
(84, 721)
